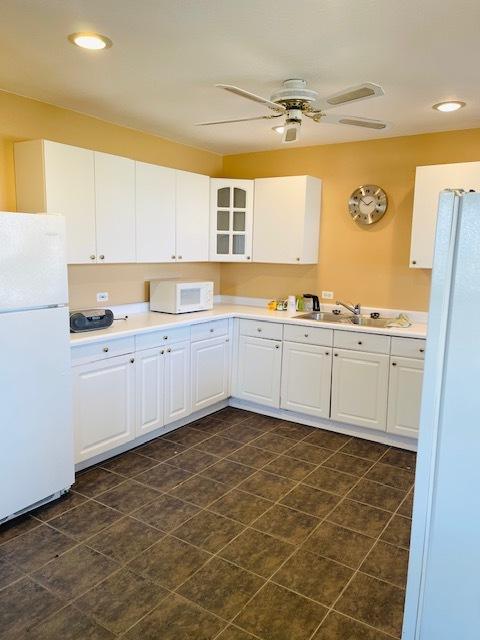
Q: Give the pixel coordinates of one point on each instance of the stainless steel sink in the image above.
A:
(361, 321)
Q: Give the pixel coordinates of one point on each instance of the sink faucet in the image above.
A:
(355, 309)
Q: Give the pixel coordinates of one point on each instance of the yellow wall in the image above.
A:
(26, 119)
(360, 264)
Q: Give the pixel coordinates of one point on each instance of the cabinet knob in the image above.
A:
(132, 360)
(336, 355)
(306, 335)
(102, 257)
(394, 364)
(105, 349)
(173, 257)
(277, 346)
(227, 340)
(169, 350)
(327, 353)
(414, 262)
(297, 259)
(422, 350)
(259, 330)
(162, 351)
(165, 337)
(211, 330)
(360, 342)
(248, 257)
(179, 257)
(92, 257)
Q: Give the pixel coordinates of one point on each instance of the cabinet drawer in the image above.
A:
(101, 350)
(308, 335)
(207, 330)
(259, 329)
(361, 341)
(159, 338)
(408, 347)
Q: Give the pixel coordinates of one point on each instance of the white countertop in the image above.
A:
(151, 321)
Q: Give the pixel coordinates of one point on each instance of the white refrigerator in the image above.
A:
(443, 594)
(36, 435)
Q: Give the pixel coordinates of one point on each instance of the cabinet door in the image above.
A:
(291, 207)
(104, 405)
(429, 181)
(360, 388)
(70, 190)
(210, 371)
(115, 208)
(258, 371)
(192, 216)
(177, 382)
(404, 396)
(155, 213)
(231, 220)
(306, 379)
(150, 384)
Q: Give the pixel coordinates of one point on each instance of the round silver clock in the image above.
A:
(367, 204)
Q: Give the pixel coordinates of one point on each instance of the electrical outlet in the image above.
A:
(327, 295)
(102, 296)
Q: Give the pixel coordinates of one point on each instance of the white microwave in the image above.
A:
(172, 296)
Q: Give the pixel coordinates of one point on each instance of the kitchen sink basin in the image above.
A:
(361, 321)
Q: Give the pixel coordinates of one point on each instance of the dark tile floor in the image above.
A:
(235, 527)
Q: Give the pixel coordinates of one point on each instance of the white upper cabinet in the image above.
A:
(192, 216)
(155, 212)
(429, 181)
(287, 220)
(58, 178)
(231, 220)
(115, 208)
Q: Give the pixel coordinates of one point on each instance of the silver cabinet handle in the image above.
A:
(102, 257)
(92, 257)
(105, 349)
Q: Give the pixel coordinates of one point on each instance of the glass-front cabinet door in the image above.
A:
(231, 220)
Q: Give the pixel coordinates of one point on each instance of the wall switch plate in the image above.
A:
(102, 296)
(327, 295)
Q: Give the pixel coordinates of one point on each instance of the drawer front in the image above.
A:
(260, 329)
(408, 347)
(361, 341)
(308, 335)
(208, 330)
(101, 350)
(161, 338)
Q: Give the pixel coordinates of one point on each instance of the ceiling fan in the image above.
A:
(294, 100)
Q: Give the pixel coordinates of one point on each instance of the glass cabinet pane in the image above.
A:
(239, 220)
(223, 197)
(239, 198)
(223, 220)
(238, 245)
(222, 244)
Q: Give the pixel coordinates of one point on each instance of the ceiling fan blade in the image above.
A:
(367, 123)
(204, 124)
(252, 96)
(353, 94)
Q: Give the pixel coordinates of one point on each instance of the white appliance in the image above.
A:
(172, 296)
(442, 592)
(36, 435)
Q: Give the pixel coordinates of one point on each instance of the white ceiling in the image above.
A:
(168, 54)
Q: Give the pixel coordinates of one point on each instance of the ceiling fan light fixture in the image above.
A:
(90, 40)
(448, 106)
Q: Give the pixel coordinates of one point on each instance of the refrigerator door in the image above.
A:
(36, 434)
(33, 271)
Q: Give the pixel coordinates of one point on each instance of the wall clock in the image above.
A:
(367, 204)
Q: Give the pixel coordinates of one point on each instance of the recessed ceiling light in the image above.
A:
(93, 41)
(279, 129)
(452, 105)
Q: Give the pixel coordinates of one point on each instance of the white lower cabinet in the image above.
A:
(404, 396)
(259, 370)
(104, 405)
(306, 379)
(210, 371)
(360, 388)
(150, 385)
(177, 382)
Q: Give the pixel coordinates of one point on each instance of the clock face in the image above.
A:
(367, 204)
